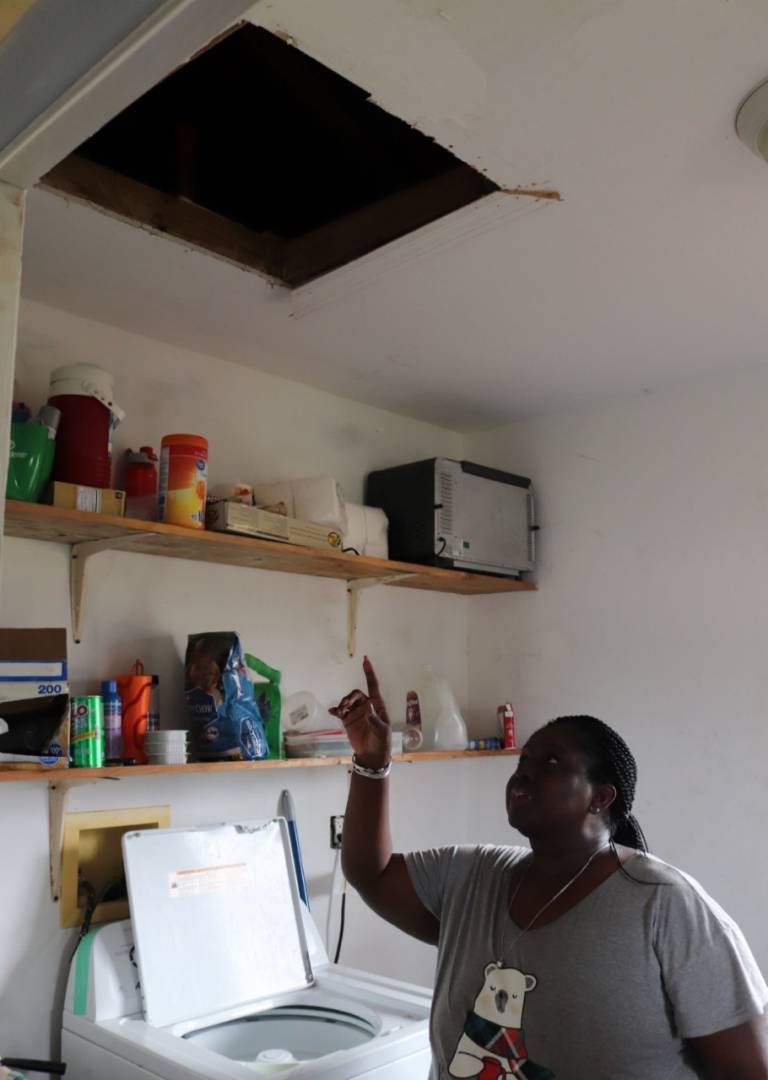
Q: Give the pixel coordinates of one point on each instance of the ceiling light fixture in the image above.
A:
(752, 121)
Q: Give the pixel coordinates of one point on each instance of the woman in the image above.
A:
(584, 958)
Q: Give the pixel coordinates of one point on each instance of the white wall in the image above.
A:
(653, 613)
(258, 426)
(12, 205)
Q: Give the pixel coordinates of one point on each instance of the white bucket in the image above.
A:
(87, 380)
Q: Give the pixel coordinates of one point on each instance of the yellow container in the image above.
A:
(183, 480)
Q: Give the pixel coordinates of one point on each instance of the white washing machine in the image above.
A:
(221, 974)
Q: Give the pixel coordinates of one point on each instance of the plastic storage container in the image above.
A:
(140, 483)
(183, 480)
(167, 747)
(84, 394)
(302, 713)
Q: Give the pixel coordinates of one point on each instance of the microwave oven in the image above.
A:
(457, 514)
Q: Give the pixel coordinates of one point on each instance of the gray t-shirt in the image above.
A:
(608, 991)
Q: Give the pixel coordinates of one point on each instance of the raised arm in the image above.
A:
(379, 875)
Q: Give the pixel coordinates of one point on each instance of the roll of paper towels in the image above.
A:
(320, 499)
(316, 498)
(367, 531)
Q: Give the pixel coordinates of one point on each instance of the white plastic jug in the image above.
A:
(303, 713)
(441, 721)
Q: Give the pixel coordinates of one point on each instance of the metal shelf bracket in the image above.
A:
(354, 589)
(78, 564)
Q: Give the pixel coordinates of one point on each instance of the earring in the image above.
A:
(595, 809)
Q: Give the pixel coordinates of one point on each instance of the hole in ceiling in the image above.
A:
(260, 154)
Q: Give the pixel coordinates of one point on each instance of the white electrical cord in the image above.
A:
(336, 878)
(338, 887)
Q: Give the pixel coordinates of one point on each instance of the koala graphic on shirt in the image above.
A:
(492, 1044)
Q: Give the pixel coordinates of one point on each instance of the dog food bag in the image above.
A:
(224, 718)
(268, 698)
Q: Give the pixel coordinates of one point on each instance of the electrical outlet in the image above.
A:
(337, 826)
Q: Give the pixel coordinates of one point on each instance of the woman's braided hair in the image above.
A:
(612, 763)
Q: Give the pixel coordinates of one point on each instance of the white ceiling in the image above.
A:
(651, 270)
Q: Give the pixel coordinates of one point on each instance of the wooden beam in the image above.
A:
(364, 230)
(292, 262)
(91, 183)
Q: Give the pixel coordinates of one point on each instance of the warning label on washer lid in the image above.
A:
(203, 880)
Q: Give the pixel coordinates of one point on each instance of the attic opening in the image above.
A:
(258, 153)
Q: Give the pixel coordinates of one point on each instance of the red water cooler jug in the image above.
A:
(84, 394)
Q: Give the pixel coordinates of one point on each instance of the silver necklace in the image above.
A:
(506, 946)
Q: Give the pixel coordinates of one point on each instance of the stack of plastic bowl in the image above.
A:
(166, 747)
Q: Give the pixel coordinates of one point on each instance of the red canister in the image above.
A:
(506, 716)
(84, 395)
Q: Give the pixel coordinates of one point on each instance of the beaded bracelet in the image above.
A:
(372, 774)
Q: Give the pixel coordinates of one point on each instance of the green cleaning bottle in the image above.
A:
(31, 458)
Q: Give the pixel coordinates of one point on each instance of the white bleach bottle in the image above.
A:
(442, 724)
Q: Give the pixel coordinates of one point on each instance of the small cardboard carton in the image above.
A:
(34, 699)
(33, 656)
(234, 517)
(91, 499)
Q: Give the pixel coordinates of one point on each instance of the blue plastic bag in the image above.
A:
(224, 719)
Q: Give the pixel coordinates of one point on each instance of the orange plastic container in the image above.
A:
(183, 480)
(134, 691)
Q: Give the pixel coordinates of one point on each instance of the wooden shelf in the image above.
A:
(33, 521)
(68, 776)
(61, 781)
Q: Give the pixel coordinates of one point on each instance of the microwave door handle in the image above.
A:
(533, 528)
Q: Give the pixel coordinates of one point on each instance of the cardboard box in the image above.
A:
(251, 521)
(23, 691)
(33, 656)
(17, 763)
(90, 499)
(34, 699)
(51, 714)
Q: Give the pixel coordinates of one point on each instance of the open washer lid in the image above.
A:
(216, 918)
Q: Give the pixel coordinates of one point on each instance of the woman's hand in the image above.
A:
(369, 865)
(366, 723)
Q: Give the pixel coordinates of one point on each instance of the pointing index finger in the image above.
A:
(374, 693)
(371, 680)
